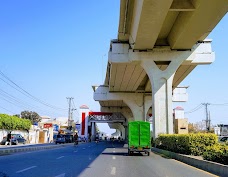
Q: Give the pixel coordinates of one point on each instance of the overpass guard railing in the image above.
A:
(104, 117)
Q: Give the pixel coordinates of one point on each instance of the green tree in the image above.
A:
(198, 127)
(32, 116)
(8, 122)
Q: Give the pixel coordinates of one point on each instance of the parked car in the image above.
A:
(224, 139)
(3, 142)
(15, 139)
(60, 139)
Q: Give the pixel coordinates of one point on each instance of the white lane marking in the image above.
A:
(25, 169)
(61, 175)
(60, 157)
(113, 151)
(113, 172)
(113, 157)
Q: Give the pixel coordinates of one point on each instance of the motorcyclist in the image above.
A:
(97, 138)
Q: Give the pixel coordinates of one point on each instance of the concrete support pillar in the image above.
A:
(136, 108)
(161, 84)
(137, 102)
(122, 132)
(139, 105)
(93, 131)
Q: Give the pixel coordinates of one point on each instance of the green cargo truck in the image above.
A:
(139, 137)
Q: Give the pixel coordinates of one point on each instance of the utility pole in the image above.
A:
(69, 111)
(72, 112)
(207, 116)
(209, 121)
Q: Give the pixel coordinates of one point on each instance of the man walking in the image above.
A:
(8, 139)
(76, 138)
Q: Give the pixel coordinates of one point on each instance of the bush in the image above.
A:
(14, 123)
(200, 141)
(192, 144)
(217, 153)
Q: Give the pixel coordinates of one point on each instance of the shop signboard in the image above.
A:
(55, 127)
(78, 127)
(47, 125)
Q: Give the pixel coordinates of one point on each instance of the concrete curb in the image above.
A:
(212, 167)
(7, 151)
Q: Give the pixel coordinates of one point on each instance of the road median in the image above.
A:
(14, 149)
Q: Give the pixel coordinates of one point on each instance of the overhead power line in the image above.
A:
(27, 106)
(221, 104)
(21, 90)
(195, 109)
(7, 110)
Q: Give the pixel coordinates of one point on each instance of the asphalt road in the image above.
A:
(104, 159)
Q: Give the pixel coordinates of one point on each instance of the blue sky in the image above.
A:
(209, 83)
(55, 49)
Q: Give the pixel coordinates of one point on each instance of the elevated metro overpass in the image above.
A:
(158, 44)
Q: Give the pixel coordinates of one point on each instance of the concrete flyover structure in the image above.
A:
(159, 43)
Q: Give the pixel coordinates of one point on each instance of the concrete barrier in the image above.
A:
(212, 167)
(13, 149)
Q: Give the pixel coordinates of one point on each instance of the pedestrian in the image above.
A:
(76, 138)
(8, 139)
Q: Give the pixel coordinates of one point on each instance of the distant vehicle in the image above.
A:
(60, 139)
(224, 139)
(69, 138)
(81, 139)
(15, 140)
(139, 137)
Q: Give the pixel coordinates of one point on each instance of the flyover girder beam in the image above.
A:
(196, 25)
(178, 24)
(145, 27)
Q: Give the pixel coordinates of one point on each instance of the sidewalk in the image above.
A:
(197, 161)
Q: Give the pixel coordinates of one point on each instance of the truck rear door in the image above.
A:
(133, 134)
(144, 134)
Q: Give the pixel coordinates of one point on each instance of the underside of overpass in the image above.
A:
(115, 121)
(158, 44)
